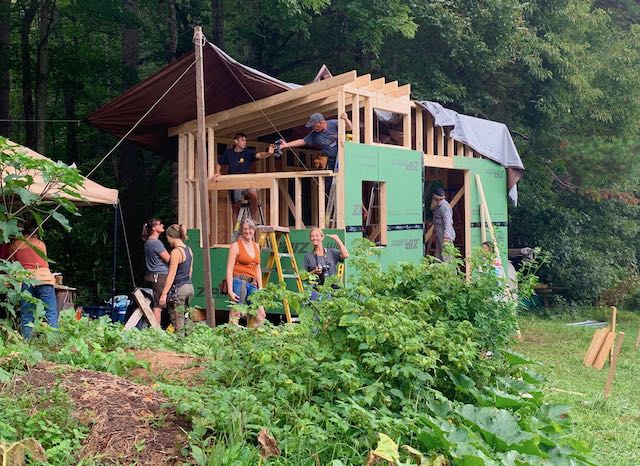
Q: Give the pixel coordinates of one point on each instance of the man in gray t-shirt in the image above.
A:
(324, 136)
(442, 222)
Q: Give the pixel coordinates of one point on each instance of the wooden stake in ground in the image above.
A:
(199, 40)
(612, 368)
(614, 318)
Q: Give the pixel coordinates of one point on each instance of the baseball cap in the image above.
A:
(439, 192)
(314, 118)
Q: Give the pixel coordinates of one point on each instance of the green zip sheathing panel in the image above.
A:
(494, 182)
(401, 170)
(299, 241)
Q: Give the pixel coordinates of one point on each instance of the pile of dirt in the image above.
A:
(167, 366)
(128, 424)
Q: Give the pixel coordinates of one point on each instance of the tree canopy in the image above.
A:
(562, 74)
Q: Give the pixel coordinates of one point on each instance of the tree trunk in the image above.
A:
(28, 14)
(70, 89)
(130, 167)
(217, 26)
(45, 25)
(172, 25)
(5, 41)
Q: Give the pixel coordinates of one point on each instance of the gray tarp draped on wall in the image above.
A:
(489, 138)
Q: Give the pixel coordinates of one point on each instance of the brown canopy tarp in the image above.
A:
(227, 85)
(92, 193)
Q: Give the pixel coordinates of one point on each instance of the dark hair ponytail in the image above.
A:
(147, 227)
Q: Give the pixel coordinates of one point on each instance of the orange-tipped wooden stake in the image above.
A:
(612, 368)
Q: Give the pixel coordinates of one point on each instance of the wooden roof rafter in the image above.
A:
(267, 102)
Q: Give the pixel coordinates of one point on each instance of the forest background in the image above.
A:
(564, 75)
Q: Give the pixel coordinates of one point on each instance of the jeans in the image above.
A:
(238, 285)
(46, 294)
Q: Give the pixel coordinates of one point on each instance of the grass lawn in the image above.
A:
(611, 427)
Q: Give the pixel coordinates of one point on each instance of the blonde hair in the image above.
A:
(316, 229)
(177, 231)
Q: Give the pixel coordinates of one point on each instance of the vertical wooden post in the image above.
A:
(355, 118)
(339, 201)
(419, 130)
(321, 203)
(273, 203)
(191, 177)
(406, 130)
(199, 39)
(429, 147)
(298, 203)
(182, 178)
(368, 121)
(612, 367)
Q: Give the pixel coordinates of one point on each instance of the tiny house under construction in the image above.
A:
(398, 152)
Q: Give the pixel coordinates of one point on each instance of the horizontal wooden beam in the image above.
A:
(437, 161)
(294, 116)
(267, 102)
(261, 180)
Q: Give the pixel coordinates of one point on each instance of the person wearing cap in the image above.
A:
(442, 221)
(239, 160)
(324, 135)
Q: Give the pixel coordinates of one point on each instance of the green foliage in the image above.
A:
(18, 203)
(45, 415)
(416, 353)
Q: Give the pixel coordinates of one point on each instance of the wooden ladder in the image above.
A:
(272, 235)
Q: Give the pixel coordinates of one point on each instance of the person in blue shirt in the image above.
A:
(325, 137)
(239, 160)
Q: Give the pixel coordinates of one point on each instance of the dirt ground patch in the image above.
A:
(164, 365)
(127, 422)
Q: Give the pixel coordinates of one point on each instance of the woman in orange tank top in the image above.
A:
(244, 275)
(23, 251)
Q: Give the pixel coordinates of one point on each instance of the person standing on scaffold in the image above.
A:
(239, 160)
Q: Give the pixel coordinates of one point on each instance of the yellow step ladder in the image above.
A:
(272, 235)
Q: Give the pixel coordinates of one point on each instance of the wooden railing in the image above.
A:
(280, 205)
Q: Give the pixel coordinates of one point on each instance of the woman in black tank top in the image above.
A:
(178, 289)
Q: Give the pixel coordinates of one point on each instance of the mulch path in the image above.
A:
(127, 421)
(167, 366)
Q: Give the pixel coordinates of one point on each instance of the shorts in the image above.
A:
(236, 194)
(156, 281)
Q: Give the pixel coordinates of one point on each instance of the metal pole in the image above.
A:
(113, 259)
(199, 39)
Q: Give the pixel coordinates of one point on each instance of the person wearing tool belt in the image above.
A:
(244, 272)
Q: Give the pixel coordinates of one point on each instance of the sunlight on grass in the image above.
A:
(611, 427)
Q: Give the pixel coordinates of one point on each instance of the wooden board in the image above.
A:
(594, 347)
(603, 354)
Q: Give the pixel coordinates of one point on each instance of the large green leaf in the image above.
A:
(500, 428)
